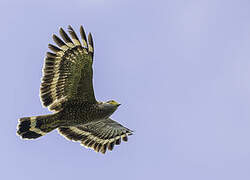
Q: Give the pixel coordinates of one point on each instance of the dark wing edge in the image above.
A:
(61, 80)
(99, 136)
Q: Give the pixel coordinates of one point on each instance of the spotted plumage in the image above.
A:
(67, 90)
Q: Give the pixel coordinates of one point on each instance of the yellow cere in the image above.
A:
(113, 102)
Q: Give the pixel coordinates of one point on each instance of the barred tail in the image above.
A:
(36, 126)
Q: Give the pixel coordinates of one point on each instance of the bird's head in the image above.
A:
(113, 103)
(109, 107)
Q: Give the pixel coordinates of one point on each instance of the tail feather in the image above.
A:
(34, 127)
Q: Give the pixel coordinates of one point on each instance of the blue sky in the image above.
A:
(179, 68)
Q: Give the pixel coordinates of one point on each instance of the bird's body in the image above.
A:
(77, 113)
(67, 89)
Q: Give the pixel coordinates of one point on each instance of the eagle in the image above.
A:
(67, 90)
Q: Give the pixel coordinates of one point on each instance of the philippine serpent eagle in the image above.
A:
(67, 90)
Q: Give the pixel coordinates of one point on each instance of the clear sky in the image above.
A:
(180, 69)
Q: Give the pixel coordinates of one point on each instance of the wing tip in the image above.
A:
(83, 37)
(91, 43)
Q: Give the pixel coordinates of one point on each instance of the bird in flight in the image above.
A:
(67, 91)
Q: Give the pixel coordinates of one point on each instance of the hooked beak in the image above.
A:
(118, 105)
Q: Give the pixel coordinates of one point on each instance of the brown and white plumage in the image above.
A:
(98, 135)
(68, 72)
(67, 89)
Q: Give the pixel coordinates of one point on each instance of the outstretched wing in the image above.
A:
(98, 135)
(67, 72)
